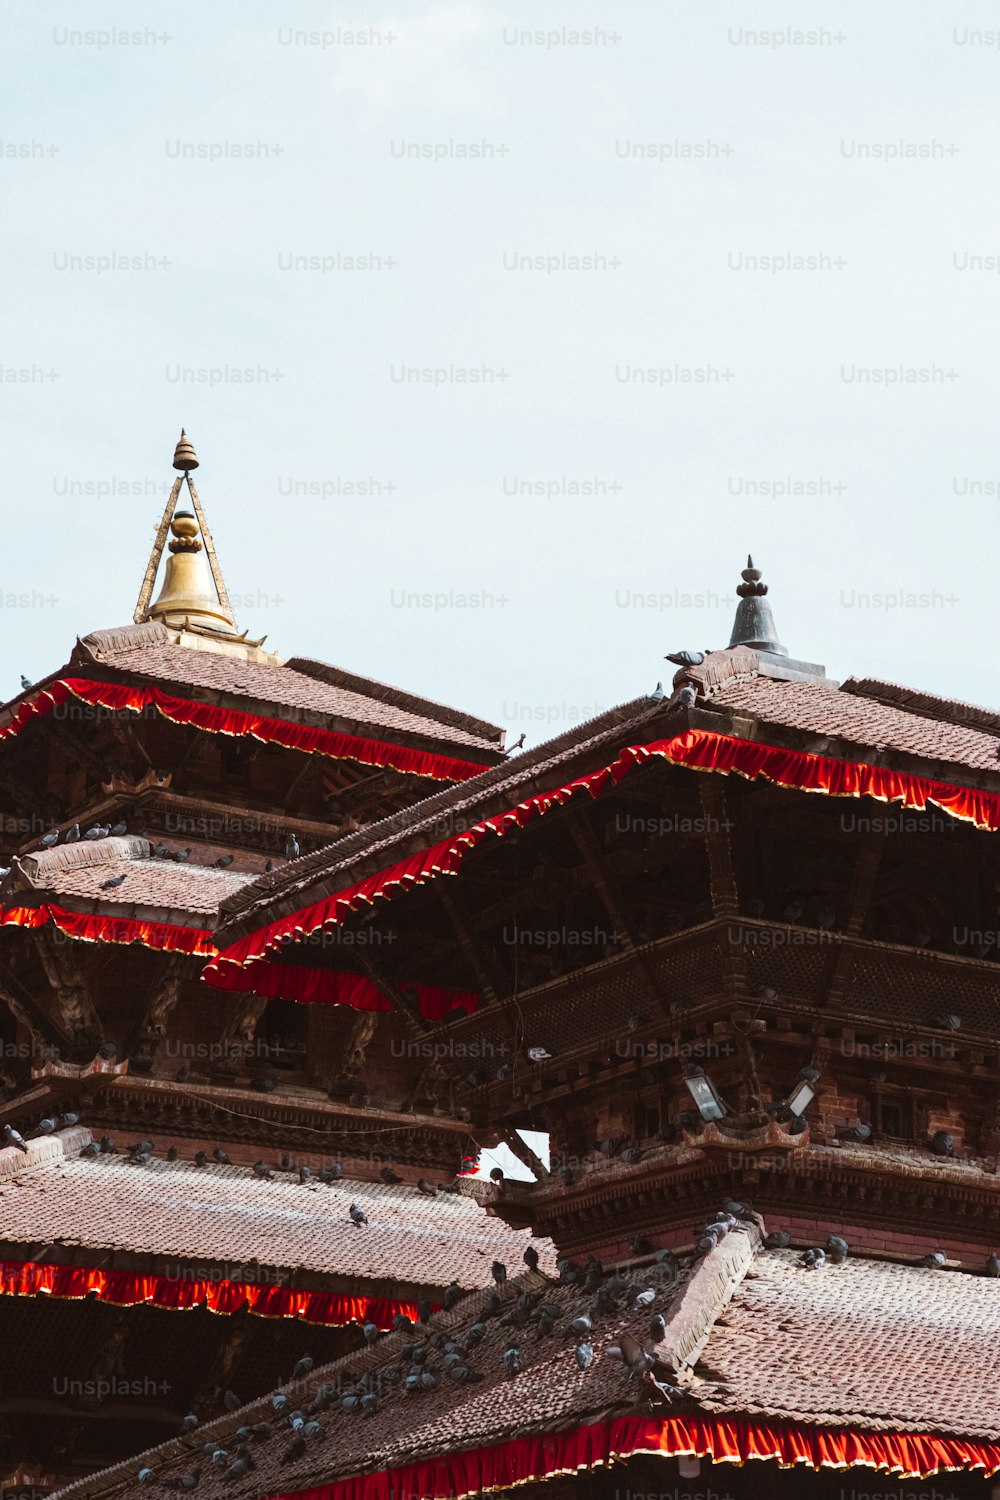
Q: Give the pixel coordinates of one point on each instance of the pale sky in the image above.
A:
(463, 145)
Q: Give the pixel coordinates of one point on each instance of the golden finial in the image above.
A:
(184, 455)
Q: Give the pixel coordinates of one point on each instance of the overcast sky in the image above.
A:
(543, 217)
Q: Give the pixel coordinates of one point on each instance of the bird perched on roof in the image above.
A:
(222, 1157)
(936, 1261)
(514, 1360)
(291, 847)
(636, 1359)
(667, 1262)
(427, 1188)
(809, 1075)
(304, 1175)
(540, 1054)
(200, 1159)
(332, 1173)
(358, 1215)
(72, 835)
(813, 1260)
(108, 1147)
(685, 658)
(45, 1127)
(499, 1272)
(942, 1143)
(580, 1326)
(860, 1132)
(644, 1297)
(171, 1153)
(119, 829)
(181, 856)
(231, 1401)
(657, 1328)
(638, 1245)
(837, 1249)
(993, 1264)
(49, 840)
(224, 861)
(687, 697)
(187, 1481)
(189, 1423)
(145, 1475)
(948, 1022)
(531, 1258)
(261, 1169)
(657, 693)
(12, 1137)
(114, 882)
(108, 1051)
(778, 1239)
(452, 1293)
(370, 1332)
(303, 1367)
(389, 1176)
(91, 1149)
(25, 683)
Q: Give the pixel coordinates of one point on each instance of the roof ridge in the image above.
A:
(923, 705)
(384, 692)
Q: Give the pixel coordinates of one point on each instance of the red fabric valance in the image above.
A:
(96, 927)
(311, 986)
(720, 1439)
(244, 964)
(130, 1288)
(119, 697)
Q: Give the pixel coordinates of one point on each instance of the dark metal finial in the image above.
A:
(754, 626)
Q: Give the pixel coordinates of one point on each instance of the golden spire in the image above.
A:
(192, 597)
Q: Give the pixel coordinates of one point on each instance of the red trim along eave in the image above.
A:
(243, 964)
(131, 1288)
(721, 1439)
(96, 927)
(120, 697)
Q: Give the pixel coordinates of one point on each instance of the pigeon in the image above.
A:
(73, 835)
(189, 1423)
(144, 1476)
(200, 1159)
(107, 1051)
(303, 1367)
(860, 1132)
(358, 1215)
(389, 1176)
(119, 829)
(687, 696)
(184, 1482)
(114, 882)
(222, 1157)
(171, 1153)
(269, 867)
(813, 1260)
(291, 847)
(240, 1466)
(108, 1147)
(657, 1328)
(657, 693)
(304, 1175)
(280, 1402)
(778, 1239)
(224, 861)
(936, 1261)
(580, 1326)
(584, 1355)
(837, 1249)
(370, 1332)
(45, 1127)
(97, 831)
(942, 1143)
(685, 658)
(262, 1170)
(667, 1261)
(540, 1054)
(948, 1022)
(332, 1173)
(531, 1258)
(265, 1085)
(49, 840)
(13, 1137)
(633, 1356)
(182, 856)
(644, 1298)
(452, 1294)
(91, 1149)
(427, 1188)
(514, 1360)
(639, 1246)
(993, 1264)
(231, 1401)
(631, 1155)
(809, 1075)
(499, 1271)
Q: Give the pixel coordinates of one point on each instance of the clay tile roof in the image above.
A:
(865, 722)
(300, 685)
(866, 1344)
(550, 1392)
(215, 1213)
(77, 872)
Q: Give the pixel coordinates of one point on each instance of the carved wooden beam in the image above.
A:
(866, 870)
(723, 888)
(65, 975)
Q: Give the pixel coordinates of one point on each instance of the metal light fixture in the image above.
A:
(702, 1091)
(801, 1097)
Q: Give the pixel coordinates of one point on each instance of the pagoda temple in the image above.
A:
(731, 948)
(145, 1268)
